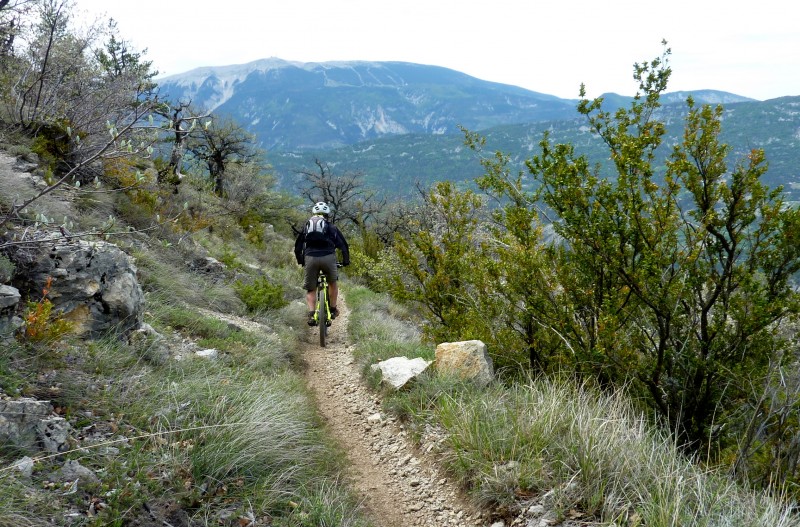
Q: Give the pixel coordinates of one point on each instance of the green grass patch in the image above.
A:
(325, 503)
(167, 280)
(593, 452)
(12, 379)
(381, 327)
(233, 436)
(16, 502)
(190, 322)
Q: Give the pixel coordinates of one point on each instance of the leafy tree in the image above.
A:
(689, 275)
(181, 121)
(436, 260)
(252, 198)
(65, 87)
(52, 64)
(518, 302)
(118, 59)
(82, 106)
(12, 18)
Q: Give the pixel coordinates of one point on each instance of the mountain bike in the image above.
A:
(322, 311)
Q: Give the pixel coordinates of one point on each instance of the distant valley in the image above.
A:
(398, 123)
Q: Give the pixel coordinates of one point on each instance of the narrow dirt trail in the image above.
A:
(398, 484)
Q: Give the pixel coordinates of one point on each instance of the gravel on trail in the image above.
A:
(398, 482)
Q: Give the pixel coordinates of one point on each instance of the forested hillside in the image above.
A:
(393, 165)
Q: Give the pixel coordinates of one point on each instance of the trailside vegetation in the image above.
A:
(571, 451)
(674, 281)
(170, 437)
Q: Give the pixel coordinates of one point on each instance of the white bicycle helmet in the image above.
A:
(321, 208)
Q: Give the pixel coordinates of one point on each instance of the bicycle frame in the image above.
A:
(322, 312)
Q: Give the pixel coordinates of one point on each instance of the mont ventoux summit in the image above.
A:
(398, 123)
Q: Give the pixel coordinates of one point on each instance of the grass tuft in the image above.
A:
(16, 502)
(590, 451)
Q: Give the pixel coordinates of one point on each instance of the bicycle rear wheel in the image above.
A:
(322, 317)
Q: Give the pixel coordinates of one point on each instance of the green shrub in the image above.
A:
(229, 258)
(51, 144)
(260, 295)
(6, 269)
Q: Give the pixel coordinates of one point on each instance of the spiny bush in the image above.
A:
(260, 294)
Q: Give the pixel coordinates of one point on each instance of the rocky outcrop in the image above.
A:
(23, 467)
(466, 360)
(9, 297)
(93, 285)
(397, 371)
(208, 266)
(9, 322)
(29, 425)
(53, 433)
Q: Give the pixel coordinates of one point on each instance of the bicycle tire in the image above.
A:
(322, 317)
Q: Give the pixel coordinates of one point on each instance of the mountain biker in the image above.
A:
(315, 249)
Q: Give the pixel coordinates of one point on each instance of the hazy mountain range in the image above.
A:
(398, 122)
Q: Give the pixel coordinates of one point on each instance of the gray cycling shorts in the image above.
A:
(313, 264)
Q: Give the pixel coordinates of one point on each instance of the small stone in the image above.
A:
(74, 471)
(209, 353)
(24, 466)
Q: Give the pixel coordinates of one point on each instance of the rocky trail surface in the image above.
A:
(398, 482)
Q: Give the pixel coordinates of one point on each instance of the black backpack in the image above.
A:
(317, 231)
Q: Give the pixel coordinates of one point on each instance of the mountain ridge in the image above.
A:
(290, 105)
(346, 112)
(236, 73)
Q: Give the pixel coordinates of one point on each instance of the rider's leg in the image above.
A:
(311, 299)
(311, 268)
(333, 292)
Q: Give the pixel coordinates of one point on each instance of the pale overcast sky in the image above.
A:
(552, 46)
